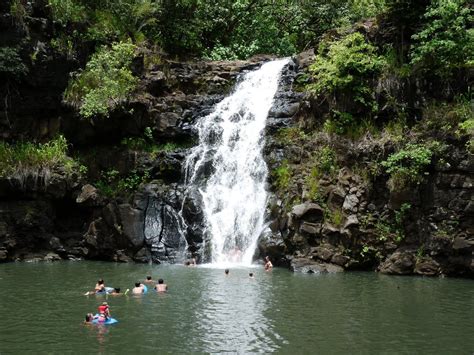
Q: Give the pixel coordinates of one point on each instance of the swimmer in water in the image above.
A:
(99, 288)
(149, 280)
(268, 264)
(161, 286)
(138, 289)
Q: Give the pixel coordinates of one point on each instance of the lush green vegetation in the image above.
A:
(112, 184)
(282, 175)
(25, 158)
(445, 44)
(343, 73)
(219, 29)
(11, 65)
(408, 166)
(105, 82)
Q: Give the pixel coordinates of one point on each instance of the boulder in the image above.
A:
(88, 195)
(52, 257)
(427, 267)
(336, 197)
(350, 203)
(463, 245)
(310, 229)
(271, 244)
(399, 263)
(308, 266)
(340, 259)
(310, 212)
(324, 253)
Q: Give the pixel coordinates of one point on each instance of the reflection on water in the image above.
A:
(43, 307)
(232, 316)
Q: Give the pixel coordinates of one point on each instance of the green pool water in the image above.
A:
(42, 308)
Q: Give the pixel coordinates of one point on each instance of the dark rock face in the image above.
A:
(356, 228)
(164, 228)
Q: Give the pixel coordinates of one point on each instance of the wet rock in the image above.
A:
(132, 223)
(340, 259)
(272, 245)
(121, 256)
(324, 253)
(308, 266)
(399, 263)
(52, 257)
(427, 267)
(142, 256)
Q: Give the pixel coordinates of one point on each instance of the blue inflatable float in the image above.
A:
(145, 289)
(107, 322)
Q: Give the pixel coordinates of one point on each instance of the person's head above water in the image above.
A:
(148, 277)
(160, 281)
(89, 317)
(100, 281)
(137, 284)
(251, 274)
(117, 289)
(226, 271)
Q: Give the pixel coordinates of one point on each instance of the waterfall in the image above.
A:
(228, 169)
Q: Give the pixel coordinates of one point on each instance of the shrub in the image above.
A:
(112, 184)
(105, 82)
(343, 73)
(408, 165)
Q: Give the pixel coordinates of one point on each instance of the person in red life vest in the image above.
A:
(104, 310)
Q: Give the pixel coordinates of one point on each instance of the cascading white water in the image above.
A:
(231, 139)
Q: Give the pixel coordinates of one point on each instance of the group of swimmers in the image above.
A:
(103, 311)
(103, 314)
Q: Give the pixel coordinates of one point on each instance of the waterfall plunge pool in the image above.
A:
(42, 307)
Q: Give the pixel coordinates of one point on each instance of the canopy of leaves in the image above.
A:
(446, 41)
(215, 29)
